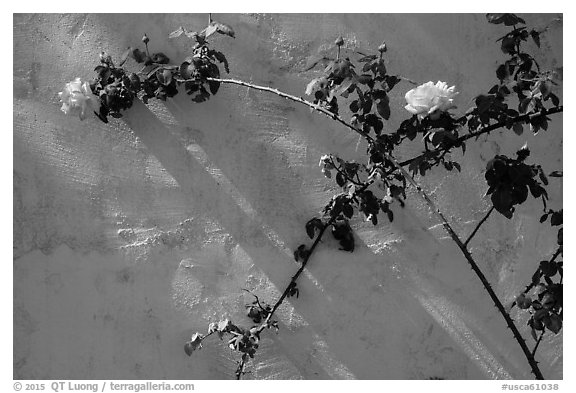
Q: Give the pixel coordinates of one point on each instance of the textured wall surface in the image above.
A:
(130, 236)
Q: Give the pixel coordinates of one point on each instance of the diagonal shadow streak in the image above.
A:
(285, 182)
(195, 182)
(362, 358)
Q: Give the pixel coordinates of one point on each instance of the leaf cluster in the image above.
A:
(369, 188)
(545, 304)
(115, 87)
(158, 78)
(510, 179)
(520, 74)
(370, 86)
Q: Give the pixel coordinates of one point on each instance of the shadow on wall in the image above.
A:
(355, 332)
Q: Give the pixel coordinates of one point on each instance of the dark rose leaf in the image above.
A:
(536, 37)
(340, 180)
(556, 218)
(138, 55)
(347, 210)
(553, 323)
(502, 202)
(523, 301)
(383, 107)
(507, 19)
(188, 348)
(225, 29)
(518, 128)
(354, 107)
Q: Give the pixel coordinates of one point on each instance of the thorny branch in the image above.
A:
(369, 139)
(482, 221)
(242, 363)
(537, 343)
(462, 246)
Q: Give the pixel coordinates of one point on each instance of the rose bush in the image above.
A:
(77, 98)
(430, 99)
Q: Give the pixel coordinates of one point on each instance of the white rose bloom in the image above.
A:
(77, 98)
(430, 99)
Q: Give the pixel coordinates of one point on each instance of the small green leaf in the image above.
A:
(364, 79)
(502, 202)
(543, 177)
(556, 218)
(383, 107)
(214, 73)
(553, 323)
(164, 76)
(312, 225)
(536, 277)
(548, 268)
(188, 348)
(508, 45)
(502, 72)
(186, 70)
(554, 98)
(523, 301)
(223, 325)
(536, 37)
(222, 59)
(533, 333)
(354, 107)
(225, 29)
(518, 128)
(507, 19)
(340, 180)
(390, 215)
(211, 29)
(160, 58)
(176, 33)
(138, 55)
(310, 231)
(348, 210)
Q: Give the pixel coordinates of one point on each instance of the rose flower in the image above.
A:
(430, 99)
(77, 98)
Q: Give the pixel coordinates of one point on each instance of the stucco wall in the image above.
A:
(128, 237)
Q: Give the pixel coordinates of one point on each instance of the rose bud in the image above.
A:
(105, 57)
(382, 48)
(145, 39)
(339, 41)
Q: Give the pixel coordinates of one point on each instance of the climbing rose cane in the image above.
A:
(430, 99)
(77, 97)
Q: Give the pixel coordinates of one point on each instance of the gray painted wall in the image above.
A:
(128, 237)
